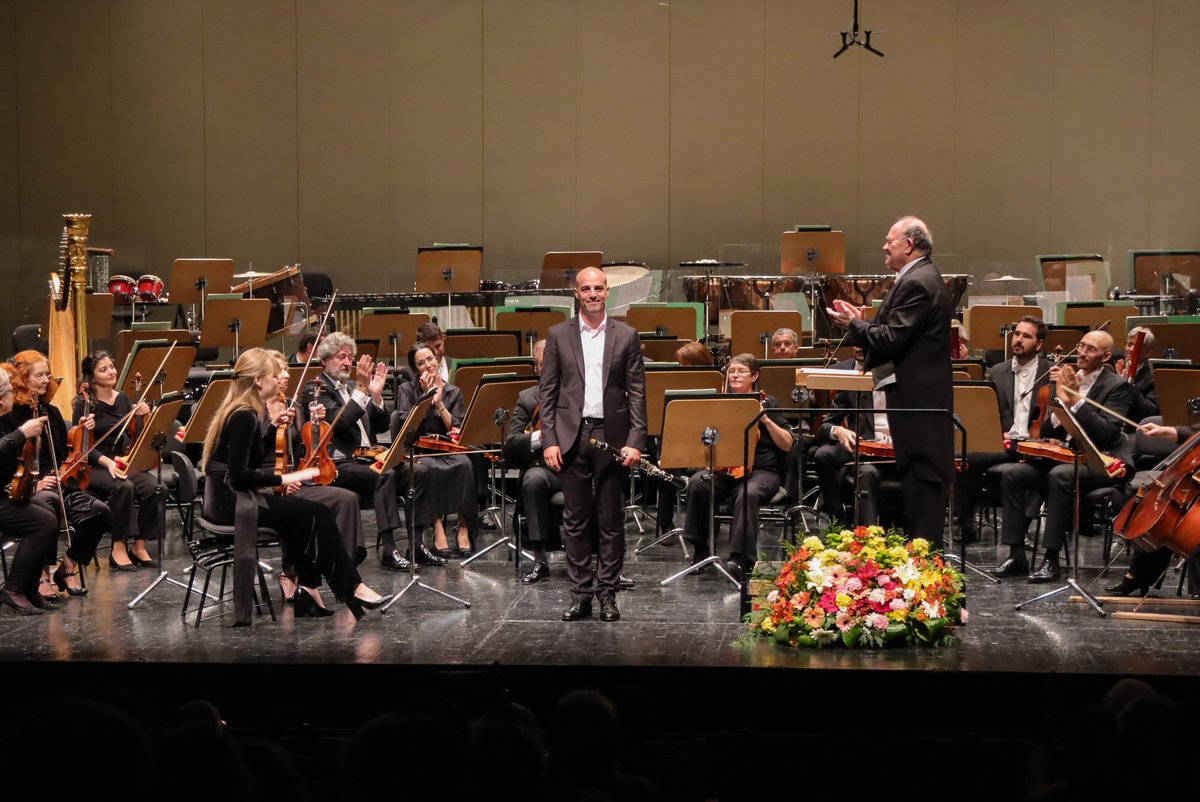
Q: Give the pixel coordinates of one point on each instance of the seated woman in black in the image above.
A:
(89, 517)
(446, 484)
(34, 526)
(233, 453)
(109, 410)
(766, 475)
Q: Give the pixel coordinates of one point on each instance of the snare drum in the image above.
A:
(122, 289)
(149, 288)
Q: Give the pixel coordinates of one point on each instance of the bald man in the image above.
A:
(1088, 378)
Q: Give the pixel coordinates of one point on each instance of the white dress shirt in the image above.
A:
(1023, 378)
(592, 340)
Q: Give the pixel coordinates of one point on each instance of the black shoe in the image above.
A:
(307, 607)
(1010, 567)
(42, 602)
(735, 570)
(608, 609)
(1128, 586)
(392, 561)
(967, 532)
(540, 571)
(116, 566)
(25, 607)
(1048, 572)
(427, 557)
(60, 581)
(625, 583)
(466, 553)
(358, 606)
(445, 554)
(139, 562)
(578, 611)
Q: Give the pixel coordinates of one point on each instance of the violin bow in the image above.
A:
(62, 502)
(308, 359)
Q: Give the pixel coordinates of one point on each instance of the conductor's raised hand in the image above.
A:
(842, 312)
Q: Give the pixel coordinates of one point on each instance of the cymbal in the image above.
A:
(250, 274)
(1004, 278)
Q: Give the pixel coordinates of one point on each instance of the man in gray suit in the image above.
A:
(593, 385)
(908, 349)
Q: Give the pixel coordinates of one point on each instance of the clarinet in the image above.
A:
(643, 464)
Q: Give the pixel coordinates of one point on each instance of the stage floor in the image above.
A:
(690, 623)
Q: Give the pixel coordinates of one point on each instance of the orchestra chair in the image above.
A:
(28, 337)
(212, 550)
(978, 407)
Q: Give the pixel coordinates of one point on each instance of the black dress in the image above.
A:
(145, 520)
(33, 526)
(445, 485)
(309, 529)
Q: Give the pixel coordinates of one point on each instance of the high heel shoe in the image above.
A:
(42, 602)
(307, 607)
(139, 562)
(358, 606)
(1128, 586)
(116, 566)
(60, 580)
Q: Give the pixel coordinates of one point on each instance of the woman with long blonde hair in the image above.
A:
(234, 452)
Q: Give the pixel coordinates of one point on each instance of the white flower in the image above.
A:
(773, 596)
(962, 615)
(878, 595)
(823, 635)
(909, 593)
(933, 609)
(907, 573)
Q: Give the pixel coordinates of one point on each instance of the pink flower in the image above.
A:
(854, 584)
(878, 621)
(898, 604)
(814, 617)
(828, 602)
(843, 621)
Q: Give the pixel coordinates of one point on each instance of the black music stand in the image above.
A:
(1083, 447)
(193, 279)
(484, 422)
(147, 454)
(401, 451)
(692, 428)
(145, 358)
(235, 323)
(197, 425)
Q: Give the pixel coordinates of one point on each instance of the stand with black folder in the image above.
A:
(400, 451)
(692, 428)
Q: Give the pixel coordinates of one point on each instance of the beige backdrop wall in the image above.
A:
(343, 134)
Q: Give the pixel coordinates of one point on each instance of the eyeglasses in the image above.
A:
(738, 372)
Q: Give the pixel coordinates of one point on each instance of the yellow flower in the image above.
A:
(920, 545)
(813, 544)
(842, 600)
(876, 530)
(898, 615)
(768, 625)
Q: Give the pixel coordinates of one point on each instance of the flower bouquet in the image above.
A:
(863, 587)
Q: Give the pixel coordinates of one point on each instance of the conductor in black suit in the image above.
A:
(908, 350)
(593, 385)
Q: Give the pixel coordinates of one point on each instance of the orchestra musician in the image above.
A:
(765, 478)
(34, 527)
(305, 349)
(908, 349)
(1145, 396)
(431, 334)
(357, 427)
(593, 386)
(342, 503)
(785, 343)
(444, 484)
(111, 409)
(1146, 568)
(836, 444)
(1017, 384)
(89, 517)
(234, 451)
(1021, 479)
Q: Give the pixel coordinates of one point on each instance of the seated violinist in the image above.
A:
(355, 411)
(343, 503)
(33, 387)
(766, 475)
(1018, 382)
(110, 416)
(445, 484)
(1089, 379)
(1145, 568)
(837, 441)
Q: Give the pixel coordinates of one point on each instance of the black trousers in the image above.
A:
(381, 489)
(833, 463)
(36, 531)
(538, 486)
(142, 520)
(593, 484)
(89, 516)
(1023, 479)
(748, 496)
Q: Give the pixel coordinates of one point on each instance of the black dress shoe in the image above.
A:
(466, 553)
(60, 581)
(735, 569)
(608, 609)
(540, 571)
(1128, 586)
(23, 606)
(1048, 572)
(392, 561)
(116, 566)
(1010, 567)
(427, 557)
(306, 606)
(625, 583)
(445, 554)
(578, 611)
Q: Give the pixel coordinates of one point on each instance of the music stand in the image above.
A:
(679, 319)
(836, 379)
(660, 348)
(468, 373)
(215, 393)
(126, 338)
(703, 378)
(1176, 387)
(751, 330)
(978, 408)
(449, 269)
(559, 267)
(490, 409)
(533, 323)
(298, 376)
(692, 428)
(808, 251)
(235, 323)
(398, 330)
(1083, 447)
(193, 279)
(99, 314)
(144, 358)
(147, 455)
(482, 344)
(400, 451)
(364, 347)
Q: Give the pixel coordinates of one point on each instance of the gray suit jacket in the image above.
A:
(560, 392)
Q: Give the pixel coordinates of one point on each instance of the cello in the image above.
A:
(1164, 513)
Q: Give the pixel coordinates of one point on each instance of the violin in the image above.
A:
(28, 472)
(316, 435)
(440, 442)
(136, 421)
(535, 420)
(76, 466)
(283, 460)
(1041, 401)
(1133, 358)
(887, 451)
(369, 452)
(738, 471)
(1061, 452)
